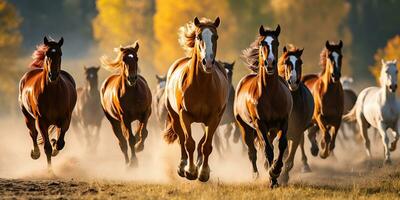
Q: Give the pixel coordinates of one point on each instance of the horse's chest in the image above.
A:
(389, 113)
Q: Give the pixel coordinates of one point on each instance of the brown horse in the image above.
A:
(290, 68)
(263, 103)
(328, 99)
(126, 97)
(197, 90)
(47, 97)
(88, 114)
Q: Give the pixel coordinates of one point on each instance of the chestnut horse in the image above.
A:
(47, 97)
(328, 99)
(263, 103)
(290, 68)
(196, 91)
(88, 114)
(126, 97)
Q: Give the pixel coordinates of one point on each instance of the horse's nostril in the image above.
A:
(213, 61)
(204, 61)
(290, 81)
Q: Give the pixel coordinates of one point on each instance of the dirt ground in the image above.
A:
(103, 175)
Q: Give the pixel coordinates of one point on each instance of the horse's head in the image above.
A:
(229, 69)
(91, 75)
(206, 37)
(388, 76)
(53, 58)
(268, 50)
(334, 59)
(161, 80)
(291, 60)
(130, 60)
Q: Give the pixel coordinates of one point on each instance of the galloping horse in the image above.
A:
(377, 107)
(88, 114)
(126, 97)
(290, 68)
(47, 97)
(328, 99)
(159, 108)
(263, 103)
(197, 89)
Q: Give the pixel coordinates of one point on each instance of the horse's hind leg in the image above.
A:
(59, 144)
(363, 124)
(395, 132)
(204, 174)
(312, 133)
(116, 126)
(248, 137)
(30, 123)
(306, 168)
(142, 133)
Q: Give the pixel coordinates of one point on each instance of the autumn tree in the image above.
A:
(122, 22)
(309, 23)
(10, 41)
(172, 14)
(390, 52)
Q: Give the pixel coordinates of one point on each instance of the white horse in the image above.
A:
(377, 107)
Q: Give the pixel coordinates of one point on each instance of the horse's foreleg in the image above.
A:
(312, 134)
(227, 135)
(127, 127)
(190, 145)
(363, 125)
(204, 174)
(30, 123)
(306, 168)
(59, 144)
(142, 133)
(116, 126)
(289, 161)
(43, 127)
(382, 128)
(248, 138)
(276, 167)
(176, 127)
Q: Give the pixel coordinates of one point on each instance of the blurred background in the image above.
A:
(369, 29)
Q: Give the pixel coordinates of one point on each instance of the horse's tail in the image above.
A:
(351, 115)
(52, 130)
(169, 134)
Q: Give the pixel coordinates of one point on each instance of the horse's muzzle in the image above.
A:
(336, 77)
(393, 88)
(53, 76)
(132, 80)
(207, 65)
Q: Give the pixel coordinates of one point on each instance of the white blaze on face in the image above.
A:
(206, 36)
(130, 55)
(293, 73)
(53, 50)
(269, 40)
(336, 59)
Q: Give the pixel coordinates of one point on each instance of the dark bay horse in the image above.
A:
(328, 99)
(88, 113)
(126, 97)
(47, 97)
(290, 68)
(263, 103)
(197, 90)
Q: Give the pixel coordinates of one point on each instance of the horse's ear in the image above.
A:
(136, 46)
(383, 62)
(196, 22)
(85, 68)
(395, 61)
(97, 68)
(327, 44)
(158, 77)
(216, 22)
(277, 30)
(340, 44)
(261, 30)
(45, 41)
(61, 42)
(284, 49)
(301, 52)
(233, 63)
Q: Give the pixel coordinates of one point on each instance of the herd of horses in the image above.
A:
(271, 108)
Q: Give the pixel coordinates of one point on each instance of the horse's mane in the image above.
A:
(187, 35)
(281, 61)
(322, 59)
(117, 62)
(38, 56)
(250, 55)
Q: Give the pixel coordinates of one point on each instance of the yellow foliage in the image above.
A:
(171, 14)
(122, 22)
(390, 52)
(309, 23)
(10, 42)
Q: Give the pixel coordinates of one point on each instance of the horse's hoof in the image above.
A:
(314, 150)
(133, 163)
(60, 145)
(284, 178)
(204, 174)
(275, 170)
(54, 152)
(35, 154)
(306, 169)
(392, 146)
(387, 162)
(181, 172)
(139, 147)
(273, 183)
(256, 175)
(191, 173)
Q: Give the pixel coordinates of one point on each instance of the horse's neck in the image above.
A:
(91, 87)
(326, 79)
(265, 80)
(196, 74)
(387, 96)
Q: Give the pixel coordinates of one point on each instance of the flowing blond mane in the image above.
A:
(113, 65)
(187, 34)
